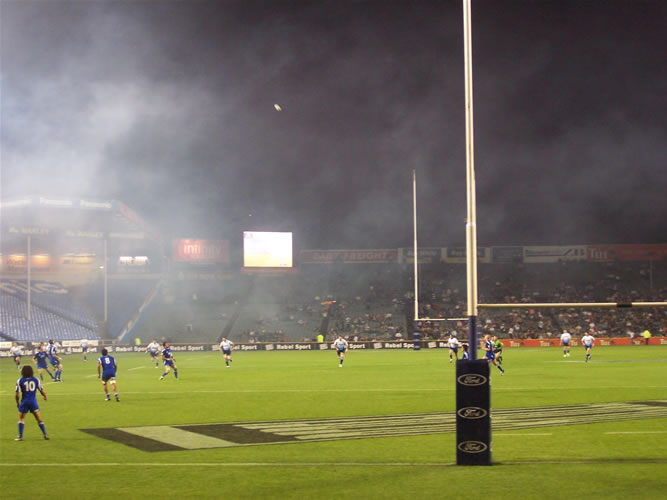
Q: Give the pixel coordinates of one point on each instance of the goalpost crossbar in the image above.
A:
(568, 305)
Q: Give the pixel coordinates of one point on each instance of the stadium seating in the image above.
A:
(52, 297)
(375, 302)
(42, 325)
(443, 290)
(125, 297)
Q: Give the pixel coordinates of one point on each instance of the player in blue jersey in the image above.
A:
(28, 386)
(168, 361)
(106, 370)
(341, 348)
(54, 359)
(39, 359)
(226, 347)
(466, 355)
(490, 355)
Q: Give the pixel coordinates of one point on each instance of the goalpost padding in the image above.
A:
(473, 412)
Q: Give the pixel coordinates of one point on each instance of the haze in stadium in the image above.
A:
(169, 108)
(223, 189)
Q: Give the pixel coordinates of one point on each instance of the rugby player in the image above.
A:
(28, 385)
(226, 350)
(565, 342)
(106, 370)
(341, 348)
(168, 361)
(490, 355)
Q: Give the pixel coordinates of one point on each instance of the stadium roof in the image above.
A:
(74, 217)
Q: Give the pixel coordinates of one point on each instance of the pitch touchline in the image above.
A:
(638, 432)
(278, 391)
(321, 464)
(500, 434)
(242, 464)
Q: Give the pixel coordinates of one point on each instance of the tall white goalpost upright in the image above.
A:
(473, 389)
(471, 216)
(473, 394)
(414, 242)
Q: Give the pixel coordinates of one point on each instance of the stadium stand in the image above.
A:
(42, 325)
(443, 293)
(52, 297)
(125, 297)
(370, 302)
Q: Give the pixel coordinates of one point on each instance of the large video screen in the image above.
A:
(266, 249)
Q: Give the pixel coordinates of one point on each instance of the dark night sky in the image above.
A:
(168, 107)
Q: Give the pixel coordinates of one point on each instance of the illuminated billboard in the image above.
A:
(200, 251)
(267, 249)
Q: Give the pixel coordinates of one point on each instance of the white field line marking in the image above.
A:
(242, 464)
(279, 391)
(582, 461)
(637, 432)
(135, 368)
(177, 437)
(93, 375)
(501, 434)
(608, 361)
(318, 464)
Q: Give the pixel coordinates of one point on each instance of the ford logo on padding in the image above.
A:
(471, 379)
(472, 447)
(472, 412)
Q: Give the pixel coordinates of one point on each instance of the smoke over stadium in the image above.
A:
(168, 107)
(210, 202)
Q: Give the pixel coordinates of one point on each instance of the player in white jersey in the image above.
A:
(16, 351)
(587, 340)
(84, 348)
(225, 348)
(453, 344)
(341, 348)
(154, 350)
(565, 342)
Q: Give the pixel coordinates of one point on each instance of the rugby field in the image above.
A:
(295, 425)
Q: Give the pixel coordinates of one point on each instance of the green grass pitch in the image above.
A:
(599, 454)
